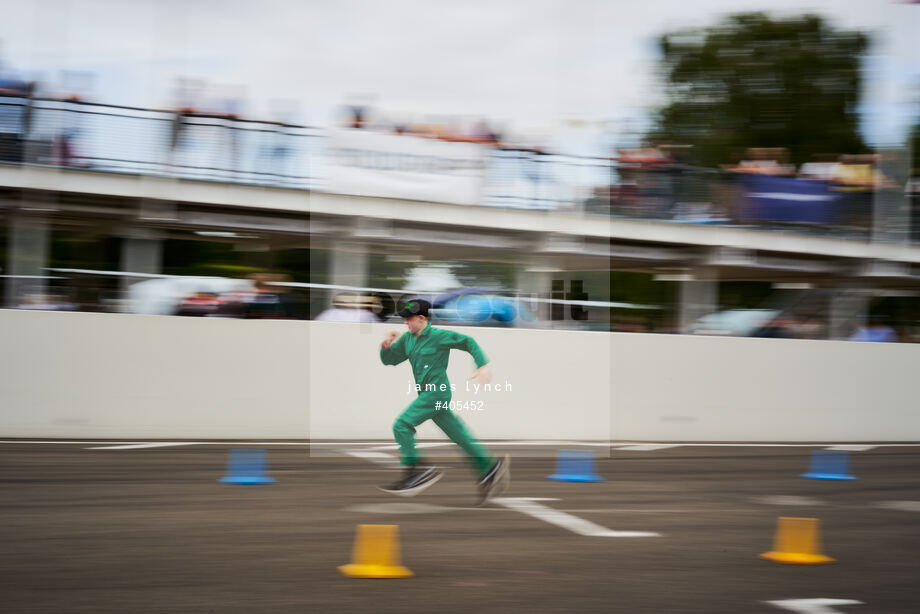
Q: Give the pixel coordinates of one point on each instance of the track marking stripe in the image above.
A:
(423, 444)
(812, 606)
(493, 442)
(380, 458)
(787, 500)
(575, 524)
(901, 506)
(135, 446)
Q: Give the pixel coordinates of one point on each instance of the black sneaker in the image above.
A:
(496, 481)
(414, 481)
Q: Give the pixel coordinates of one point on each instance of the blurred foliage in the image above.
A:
(385, 273)
(292, 262)
(226, 259)
(643, 289)
(753, 81)
(745, 294)
(75, 249)
(190, 257)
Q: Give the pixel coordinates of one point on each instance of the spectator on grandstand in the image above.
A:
(821, 168)
(199, 304)
(856, 178)
(763, 161)
(782, 327)
(483, 133)
(15, 114)
(356, 111)
(63, 147)
(352, 308)
(876, 330)
(266, 300)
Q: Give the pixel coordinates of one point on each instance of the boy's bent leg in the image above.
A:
(456, 430)
(419, 410)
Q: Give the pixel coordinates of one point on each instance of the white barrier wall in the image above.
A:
(559, 384)
(84, 375)
(688, 388)
(78, 375)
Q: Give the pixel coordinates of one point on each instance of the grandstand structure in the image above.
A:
(139, 176)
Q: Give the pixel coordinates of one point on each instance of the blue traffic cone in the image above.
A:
(246, 467)
(575, 466)
(829, 465)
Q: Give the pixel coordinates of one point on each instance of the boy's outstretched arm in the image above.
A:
(393, 350)
(459, 341)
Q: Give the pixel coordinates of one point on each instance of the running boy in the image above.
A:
(428, 349)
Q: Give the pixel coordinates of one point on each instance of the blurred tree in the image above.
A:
(753, 81)
(642, 288)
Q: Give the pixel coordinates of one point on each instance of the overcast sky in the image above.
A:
(530, 65)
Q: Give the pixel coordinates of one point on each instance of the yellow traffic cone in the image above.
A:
(797, 540)
(376, 553)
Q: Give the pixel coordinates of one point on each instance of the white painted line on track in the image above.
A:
(339, 444)
(429, 444)
(399, 508)
(900, 506)
(212, 442)
(499, 442)
(380, 458)
(787, 500)
(602, 510)
(526, 505)
(813, 606)
(646, 447)
(135, 446)
(384, 445)
(414, 508)
(775, 445)
(575, 524)
(39, 441)
(762, 445)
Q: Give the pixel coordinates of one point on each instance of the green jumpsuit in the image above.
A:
(428, 353)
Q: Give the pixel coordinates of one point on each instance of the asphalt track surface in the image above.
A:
(152, 530)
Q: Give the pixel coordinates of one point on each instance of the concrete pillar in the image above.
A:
(534, 279)
(848, 311)
(698, 296)
(141, 252)
(349, 265)
(27, 255)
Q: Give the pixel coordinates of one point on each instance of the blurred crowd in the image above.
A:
(451, 129)
(263, 300)
(833, 193)
(17, 113)
(258, 296)
(208, 133)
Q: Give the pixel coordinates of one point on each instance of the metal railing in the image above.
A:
(189, 145)
(134, 140)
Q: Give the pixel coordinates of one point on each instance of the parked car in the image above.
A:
(480, 307)
(733, 322)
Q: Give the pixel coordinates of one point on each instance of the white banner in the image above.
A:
(365, 163)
